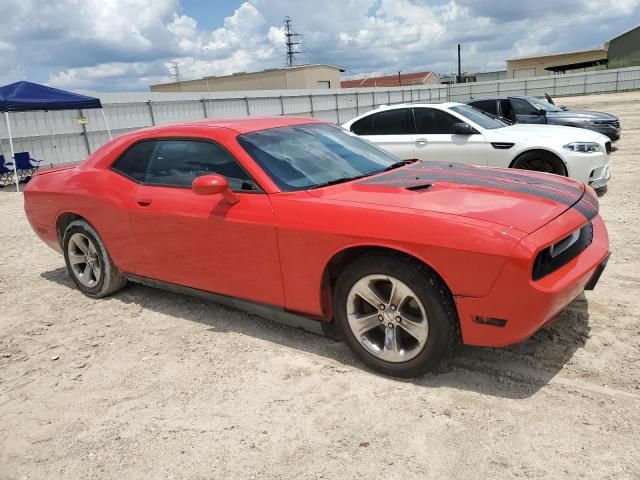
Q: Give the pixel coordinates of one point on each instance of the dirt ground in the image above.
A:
(148, 384)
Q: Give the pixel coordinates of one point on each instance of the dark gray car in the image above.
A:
(523, 109)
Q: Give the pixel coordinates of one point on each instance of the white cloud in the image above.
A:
(128, 44)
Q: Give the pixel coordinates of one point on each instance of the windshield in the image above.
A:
(543, 105)
(307, 156)
(484, 119)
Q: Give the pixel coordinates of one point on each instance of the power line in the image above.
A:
(290, 43)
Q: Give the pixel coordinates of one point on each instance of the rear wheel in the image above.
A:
(395, 314)
(540, 161)
(88, 261)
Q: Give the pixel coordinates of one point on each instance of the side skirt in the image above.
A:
(269, 312)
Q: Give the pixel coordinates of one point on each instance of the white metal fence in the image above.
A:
(58, 137)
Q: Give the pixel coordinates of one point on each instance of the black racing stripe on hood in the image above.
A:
(512, 181)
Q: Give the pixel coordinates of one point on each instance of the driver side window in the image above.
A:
(522, 107)
(177, 163)
(432, 121)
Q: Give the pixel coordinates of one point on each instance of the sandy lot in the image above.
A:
(148, 384)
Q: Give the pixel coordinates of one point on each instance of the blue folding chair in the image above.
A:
(25, 165)
(6, 174)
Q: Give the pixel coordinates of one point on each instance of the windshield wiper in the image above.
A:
(339, 180)
(399, 164)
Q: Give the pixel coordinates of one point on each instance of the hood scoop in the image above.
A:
(420, 188)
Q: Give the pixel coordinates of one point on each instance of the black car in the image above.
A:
(523, 109)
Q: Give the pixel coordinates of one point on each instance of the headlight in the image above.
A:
(582, 147)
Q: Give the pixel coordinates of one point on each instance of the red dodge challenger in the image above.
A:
(296, 220)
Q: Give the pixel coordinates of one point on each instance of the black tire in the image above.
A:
(540, 161)
(111, 280)
(443, 325)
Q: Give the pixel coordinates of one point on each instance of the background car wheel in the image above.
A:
(88, 261)
(395, 314)
(540, 161)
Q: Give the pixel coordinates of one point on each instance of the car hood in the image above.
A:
(581, 114)
(516, 199)
(544, 132)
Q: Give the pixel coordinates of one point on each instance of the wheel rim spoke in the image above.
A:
(416, 329)
(399, 293)
(363, 323)
(76, 259)
(366, 293)
(390, 347)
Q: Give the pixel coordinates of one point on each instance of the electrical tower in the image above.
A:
(290, 42)
(175, 71)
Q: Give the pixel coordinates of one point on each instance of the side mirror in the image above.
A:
(212, 185)
(462, 128)
(542, 112)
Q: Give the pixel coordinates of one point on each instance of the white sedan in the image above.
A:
(459, 133)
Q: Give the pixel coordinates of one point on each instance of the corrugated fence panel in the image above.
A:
(233, 107)
(171, 112)
(265, 106)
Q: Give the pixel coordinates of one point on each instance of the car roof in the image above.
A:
(416, 104)
(497, 97)
(238, 124)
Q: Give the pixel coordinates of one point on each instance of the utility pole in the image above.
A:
(399, 79)
(175, 71)
(459, 66)
(290, 43)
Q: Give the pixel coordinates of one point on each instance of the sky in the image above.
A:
(126, 45)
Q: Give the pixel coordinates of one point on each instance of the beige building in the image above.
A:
(621, 51)
(298, 77)
(543, 65)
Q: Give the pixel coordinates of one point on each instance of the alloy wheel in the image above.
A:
(84, 260)
(387, 318)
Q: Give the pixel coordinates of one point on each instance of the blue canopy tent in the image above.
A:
(27, 97)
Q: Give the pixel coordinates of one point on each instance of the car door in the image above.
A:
(524, 112)
(436, 140)
(390, 129)
(202, 241)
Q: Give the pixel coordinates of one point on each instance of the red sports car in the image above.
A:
(299, 221)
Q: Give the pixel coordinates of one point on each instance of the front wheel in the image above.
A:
(395, 314)
(540, 161)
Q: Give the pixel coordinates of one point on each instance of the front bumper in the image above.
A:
(609, 130)
(518, 306)
(589, 168)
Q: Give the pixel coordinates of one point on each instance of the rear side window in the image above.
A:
(364, 126)
(134, 163)
(432, 121)
(177, 163)
(489, 106)
(393, 122)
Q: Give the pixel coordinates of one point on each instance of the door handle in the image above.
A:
(421, 142)
(143, 201)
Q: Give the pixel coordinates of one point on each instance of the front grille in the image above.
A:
(614, 123)
(607, 145)
(545, 263)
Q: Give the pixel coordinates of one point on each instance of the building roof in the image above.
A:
(268, 70)
(405, 79)
(601, 51)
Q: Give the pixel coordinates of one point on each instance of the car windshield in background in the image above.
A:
(542, 105)
(484, 119)
(307, 156)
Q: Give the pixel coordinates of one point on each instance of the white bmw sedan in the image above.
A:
(459, 133)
